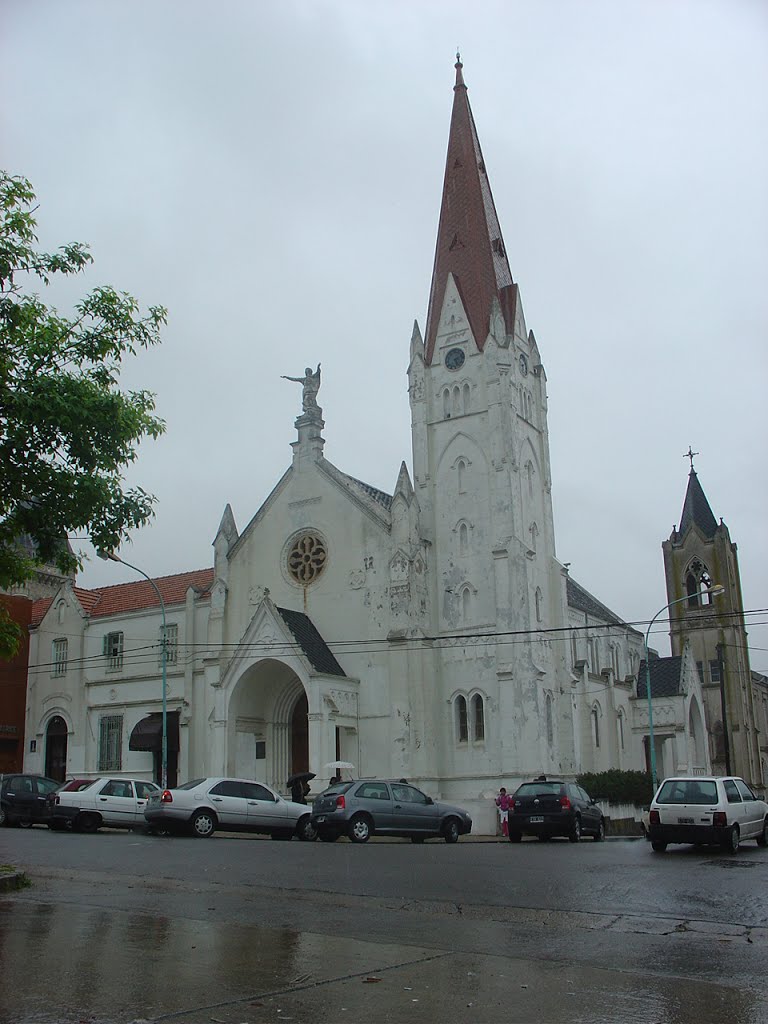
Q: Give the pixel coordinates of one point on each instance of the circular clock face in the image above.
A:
(523, 365)
(454, 358)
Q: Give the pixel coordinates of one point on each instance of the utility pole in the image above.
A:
(726, 740)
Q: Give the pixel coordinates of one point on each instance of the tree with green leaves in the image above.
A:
(67, 431)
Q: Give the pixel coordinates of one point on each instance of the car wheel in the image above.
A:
(327, 837)
(360, 829)
(575, 834)
(305, 830)
(203, 824)
(731, 843)
(417, 839)
(88, 823)
(451, 831)
(657, 846)
(762, 839)
(25, 822)
(515, 837)
(600, 834)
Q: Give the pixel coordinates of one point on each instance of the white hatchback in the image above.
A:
(115, 802)
(707, 810)
(233, 805)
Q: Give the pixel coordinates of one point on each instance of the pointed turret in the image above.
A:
(696, 510)
(469, 242)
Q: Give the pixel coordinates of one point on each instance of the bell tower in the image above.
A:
(481, 452)
(699, 554)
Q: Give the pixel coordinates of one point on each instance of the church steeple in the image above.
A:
(469, 242)
(696, 510)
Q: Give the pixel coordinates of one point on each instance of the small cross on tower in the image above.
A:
(689, 455)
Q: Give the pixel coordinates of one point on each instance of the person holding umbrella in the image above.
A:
(299, 785)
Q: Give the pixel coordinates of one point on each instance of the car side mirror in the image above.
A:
(430, 800)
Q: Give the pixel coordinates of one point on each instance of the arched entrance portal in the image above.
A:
(56, 749)
(267, 725)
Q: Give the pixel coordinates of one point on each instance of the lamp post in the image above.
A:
(112, 557)
(713, 591)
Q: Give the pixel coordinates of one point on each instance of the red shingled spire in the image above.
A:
(469, 242)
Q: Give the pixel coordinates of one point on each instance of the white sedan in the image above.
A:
(115, 802)
(234, 805)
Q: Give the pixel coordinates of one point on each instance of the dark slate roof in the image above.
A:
(696, 510)
(372, 492)
(581, 599)
(309, 640)
(665, 677)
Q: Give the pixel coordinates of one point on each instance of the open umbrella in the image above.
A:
(300, 777)
(341, 766)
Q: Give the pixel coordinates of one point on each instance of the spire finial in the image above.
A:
(689, 455)
(458, 65)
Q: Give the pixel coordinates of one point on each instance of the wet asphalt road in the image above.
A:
(120, 927)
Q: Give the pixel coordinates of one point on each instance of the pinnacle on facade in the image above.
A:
(696, 510)
(469, 242)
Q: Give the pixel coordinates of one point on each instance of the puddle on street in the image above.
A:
(74, 965)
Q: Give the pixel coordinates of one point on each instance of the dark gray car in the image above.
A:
(382, 807)
(552, 807)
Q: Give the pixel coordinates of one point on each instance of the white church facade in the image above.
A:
(430, 634)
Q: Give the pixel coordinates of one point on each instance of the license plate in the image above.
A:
(320, 820)
(685, 821)
(536, 819)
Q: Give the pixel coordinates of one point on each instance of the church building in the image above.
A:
(430, 633)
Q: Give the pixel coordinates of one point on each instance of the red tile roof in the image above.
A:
(131, 597)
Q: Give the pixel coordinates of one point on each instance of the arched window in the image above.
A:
(616, 656)
(463, 539)
(537, 599)
(466, 605)
(620, 723)
(529, 471)
(550, 722)
(466, 397)
(457, 400)
(697, 583)
(460, 710)
(447, 403)
(478, 718)
(461, 472)
(596, 724)
(61, 608)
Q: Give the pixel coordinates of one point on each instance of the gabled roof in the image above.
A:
(131, 597)
(665, 677)
(383, 499)
(312, 644)
(469, 242)
(583, 601)
(696, 510)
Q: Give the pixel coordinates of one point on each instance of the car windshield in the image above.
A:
(192, 785)
(539, 789)
(687, 791)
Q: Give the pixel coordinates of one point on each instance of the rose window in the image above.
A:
(306, 559)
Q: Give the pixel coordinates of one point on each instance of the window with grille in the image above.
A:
(171, 644)
(113, 650)
(478, 718)
(461, 719)
(111, 743)
(714, 671)
(59, 658)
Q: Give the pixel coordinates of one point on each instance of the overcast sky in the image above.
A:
(272, 171)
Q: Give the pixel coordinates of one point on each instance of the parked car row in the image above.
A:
(699, 810)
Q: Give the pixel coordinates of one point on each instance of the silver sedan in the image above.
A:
(234, 805)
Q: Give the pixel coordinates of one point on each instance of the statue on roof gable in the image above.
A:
(311, 384)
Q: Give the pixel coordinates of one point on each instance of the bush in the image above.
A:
(618, 786)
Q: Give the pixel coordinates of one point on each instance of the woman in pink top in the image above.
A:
(503, 802)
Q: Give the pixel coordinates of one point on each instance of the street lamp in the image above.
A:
(112, 557)
(713, 591)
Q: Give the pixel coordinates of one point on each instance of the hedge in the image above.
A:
(618, 786)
